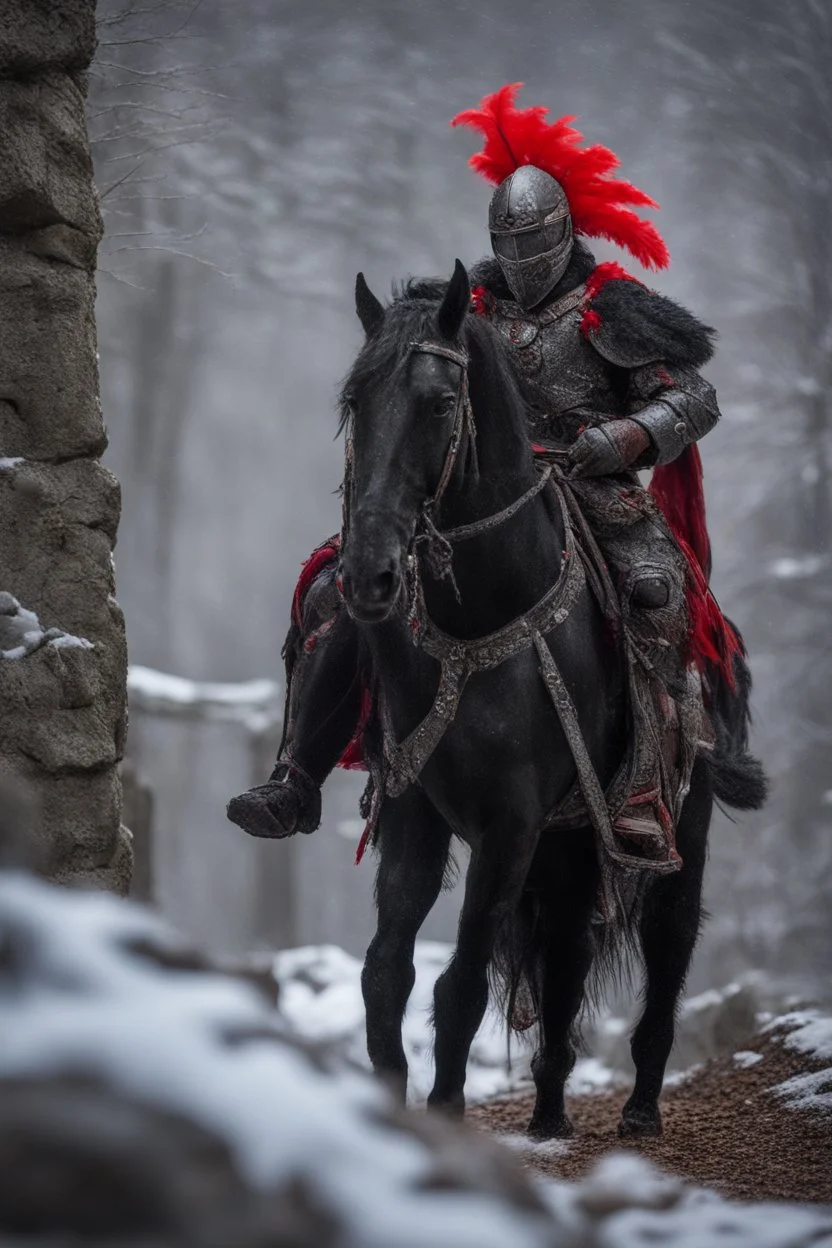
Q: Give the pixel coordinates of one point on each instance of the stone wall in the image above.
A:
(62, 642)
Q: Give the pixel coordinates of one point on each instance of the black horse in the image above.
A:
(498, 760)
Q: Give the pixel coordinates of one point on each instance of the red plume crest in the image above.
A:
(522, 136)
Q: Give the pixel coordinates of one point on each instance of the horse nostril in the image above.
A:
(382, 586)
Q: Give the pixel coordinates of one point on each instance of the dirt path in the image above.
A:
(722, 1129)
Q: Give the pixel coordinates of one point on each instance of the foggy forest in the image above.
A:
(249, 164)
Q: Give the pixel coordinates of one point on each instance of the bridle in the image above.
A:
(402, 762)
(438, 542)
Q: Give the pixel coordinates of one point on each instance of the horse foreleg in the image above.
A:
(568, 881)
(495, 880)
(414, 844)
(668, 931)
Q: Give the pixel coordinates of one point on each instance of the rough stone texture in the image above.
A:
(710, 1025)
(62, 701)
(149, 1098)
(49, 407)
(36, 35)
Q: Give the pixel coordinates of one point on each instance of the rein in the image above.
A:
(438, 542)
(402, 762)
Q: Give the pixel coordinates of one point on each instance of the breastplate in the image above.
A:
(570, 385)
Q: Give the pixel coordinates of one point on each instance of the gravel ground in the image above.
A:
(723, 1129)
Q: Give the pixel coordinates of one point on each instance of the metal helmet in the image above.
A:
(531, 233)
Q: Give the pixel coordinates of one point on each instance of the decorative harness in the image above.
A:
(404, 761)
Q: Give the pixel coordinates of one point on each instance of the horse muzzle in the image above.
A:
(370, 591)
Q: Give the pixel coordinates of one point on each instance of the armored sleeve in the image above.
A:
(674, 405)
(661, 346)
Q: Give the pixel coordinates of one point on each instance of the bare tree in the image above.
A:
(63, 664)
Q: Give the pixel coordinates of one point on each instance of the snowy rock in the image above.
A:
(626, 1203)
(746, 1058)
(62, 733)
(712, 1024)
(810, 1091)
(21, 632)
(624, 1182)
(145, 1094)
(809, 1032)
(148, 1098)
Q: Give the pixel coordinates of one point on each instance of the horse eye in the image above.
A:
(445, 405)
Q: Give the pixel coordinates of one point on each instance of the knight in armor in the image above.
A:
(610, 370)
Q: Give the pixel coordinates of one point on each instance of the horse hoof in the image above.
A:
(450, 1109)
(639, 1124)
(541, 1128)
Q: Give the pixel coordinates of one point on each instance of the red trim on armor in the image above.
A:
(482, 301)
(609, 271)
(590, 322)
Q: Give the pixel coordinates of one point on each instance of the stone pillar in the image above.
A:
(62, 643)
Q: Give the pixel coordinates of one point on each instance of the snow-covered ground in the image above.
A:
(96, 988)
(626, 1203)
(320, 997)
(809, 1032)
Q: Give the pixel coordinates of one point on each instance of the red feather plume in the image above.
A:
(522, 136)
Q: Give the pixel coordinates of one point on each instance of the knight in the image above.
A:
(610, 371)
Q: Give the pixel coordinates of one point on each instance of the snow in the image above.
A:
(320, 997)
(255, 703)
(811, 1091)
(80, 1000)
(21, 632)
(67, 642)
(812, 1035)
(7, 462)
(539, 1149)
(746, 1058)
(809, 1032)
(630, 1204)
(78, 995)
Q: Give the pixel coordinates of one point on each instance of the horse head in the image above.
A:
(405, 407)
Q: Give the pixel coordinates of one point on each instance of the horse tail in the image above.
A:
(518, 960)
(516, 969)
(738, 778)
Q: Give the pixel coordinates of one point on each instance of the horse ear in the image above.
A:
(451, 314)
(369, 309)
